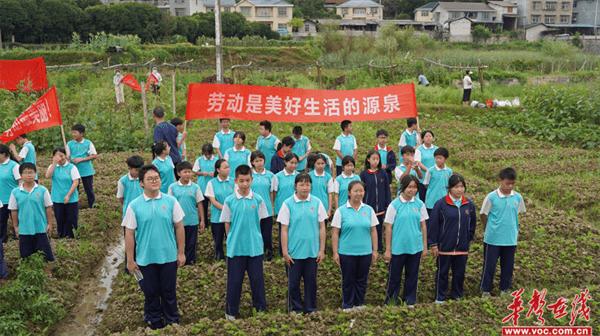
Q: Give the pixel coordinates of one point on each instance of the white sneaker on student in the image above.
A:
(411, 306)
(439, 302)
(229, 317)
(360, 307)
(486, 295)
(348, 310)
(504, 293)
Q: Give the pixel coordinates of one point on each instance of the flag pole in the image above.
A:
(145, 108)
(62, 132)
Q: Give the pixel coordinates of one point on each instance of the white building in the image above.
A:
(182, 7)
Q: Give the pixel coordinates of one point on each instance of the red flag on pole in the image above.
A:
(44, 113)
(130, 81)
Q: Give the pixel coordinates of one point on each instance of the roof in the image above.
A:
(359, 3)
(465, 6)
(270, 3)
(334, 2)
(224, 3)
(458, 19)
(347, 22)
(503, 3)
(428, 6)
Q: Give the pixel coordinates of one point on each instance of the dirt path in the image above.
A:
(94, 294)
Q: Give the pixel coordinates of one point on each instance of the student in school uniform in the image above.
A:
(283, 148)
(378, 194)
(405, 241)
(386, 153)
(223, 139)
(128, 186)
(217, 190)
(354, 245)
(241, 214)
(3, 267)
(82, 152)
(451, 230)
(189, 196)
(27, 153)
(65, 197)
(329, 167)
(204, 167)
(500, 217)
(410, 136)
(303, 235)
(181, 136)
(163, 162)
(302, 147)
(262, 184)
(9, 180)
(283, 185)
(344, 145)
(340, 184)
(31, 208)
(436, 178)
(322, 184)
(408, 166)
(425, 158)
(267, 142)
(238, 154)
(154, 245)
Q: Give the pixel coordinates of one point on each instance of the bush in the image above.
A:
(25, 306)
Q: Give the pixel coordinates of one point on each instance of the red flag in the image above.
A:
(251, 102)
(130, 81)
(42, 114)
(32, 73)
(150, 81)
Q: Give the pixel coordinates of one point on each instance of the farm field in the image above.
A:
(552, 140)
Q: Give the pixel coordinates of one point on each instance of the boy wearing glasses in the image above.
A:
(154, 230)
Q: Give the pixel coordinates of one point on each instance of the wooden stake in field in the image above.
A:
(173, 91)
(145, 107)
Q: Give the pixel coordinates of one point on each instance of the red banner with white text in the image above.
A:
(130, 81)
(280, 104)
(30, 74)
(44, 113)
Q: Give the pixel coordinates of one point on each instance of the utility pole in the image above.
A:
(218, 42)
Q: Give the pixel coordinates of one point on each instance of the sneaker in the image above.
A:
(504, 293)
(229, 317)
(486, 294)
(412, 306)
(439, 302)
(363, 307)
(348, 310)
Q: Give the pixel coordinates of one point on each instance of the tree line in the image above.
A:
(55, 21)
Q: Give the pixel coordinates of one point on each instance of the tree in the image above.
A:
(186, 26)
(311, 9)
(12, 15)
(59, 20)
(481, 33)
(143, 20)
(83, 4)
(297, 24)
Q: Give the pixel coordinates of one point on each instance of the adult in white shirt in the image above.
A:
(467, 86)
(118, 83)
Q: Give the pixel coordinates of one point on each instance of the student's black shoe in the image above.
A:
(268, 255)
(156, 325)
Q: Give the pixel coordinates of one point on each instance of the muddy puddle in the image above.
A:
(94, 294)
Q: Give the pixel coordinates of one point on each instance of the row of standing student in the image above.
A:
(30, 205)
(222, 170)
(303, 215)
